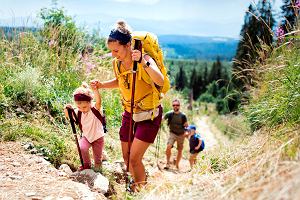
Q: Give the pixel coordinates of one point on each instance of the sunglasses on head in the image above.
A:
(176, 105)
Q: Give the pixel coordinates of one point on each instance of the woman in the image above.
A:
(146, 98)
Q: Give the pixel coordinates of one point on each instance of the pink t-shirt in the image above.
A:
(92, 127)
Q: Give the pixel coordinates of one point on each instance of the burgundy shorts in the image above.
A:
(144, 130)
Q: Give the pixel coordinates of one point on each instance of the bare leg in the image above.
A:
(125, 155)
(193, 159)
(168, 153)
(138, 150)
(179, 156)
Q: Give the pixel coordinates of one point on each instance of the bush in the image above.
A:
(279, 98)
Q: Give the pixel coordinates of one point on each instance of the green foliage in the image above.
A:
(256, 32)
(290, 12)
(38, 79)
(180, 79)
(61, 35)
(279, 98)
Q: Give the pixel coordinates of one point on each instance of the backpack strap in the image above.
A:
(170, 118)
(79, 120)
(98, 115)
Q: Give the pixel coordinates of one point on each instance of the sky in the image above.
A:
(185, 17)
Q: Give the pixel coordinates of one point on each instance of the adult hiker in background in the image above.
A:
(88, 115)
(146, 109)
(196, 144)
(177, 122)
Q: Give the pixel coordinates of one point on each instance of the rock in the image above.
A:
(28, 146)
(66, 169)
(63, 174)
(33, 151)
(30, 194)
(101, 183)
(88, 172)
(16, 164)
(16, 177)
(65, 198)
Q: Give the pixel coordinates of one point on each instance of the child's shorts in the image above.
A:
(144, 130)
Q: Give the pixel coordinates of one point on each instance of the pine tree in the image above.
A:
(205, 78)
(290, 11)
(180, 79)
(215, 73)
(257, 30)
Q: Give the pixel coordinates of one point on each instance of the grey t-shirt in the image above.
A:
(176, 122)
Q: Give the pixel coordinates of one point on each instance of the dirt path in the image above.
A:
(28, 176)
(211, 137)
(207, 132)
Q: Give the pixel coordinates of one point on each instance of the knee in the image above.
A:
(84, 148)
(134, 161)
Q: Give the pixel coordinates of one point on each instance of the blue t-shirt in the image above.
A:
(194, 141)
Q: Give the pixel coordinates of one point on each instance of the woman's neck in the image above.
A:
(127, 63)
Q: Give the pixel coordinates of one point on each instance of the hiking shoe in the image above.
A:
(167, 166)
(130, 187)
(83, 168)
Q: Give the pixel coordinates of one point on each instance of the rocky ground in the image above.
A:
(29, 176)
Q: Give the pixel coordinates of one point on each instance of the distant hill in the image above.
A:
(11, 32)
(197, 47)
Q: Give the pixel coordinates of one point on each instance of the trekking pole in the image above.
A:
(137, 45)
(157, 150)
(71, 114)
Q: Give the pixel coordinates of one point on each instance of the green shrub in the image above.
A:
(279, 98)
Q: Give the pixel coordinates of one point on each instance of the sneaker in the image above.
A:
(167, 166)
(130, 187)
(84, 167)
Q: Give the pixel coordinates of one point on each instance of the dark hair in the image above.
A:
(120, 33)
(176, 100)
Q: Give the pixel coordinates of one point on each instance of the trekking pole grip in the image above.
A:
(137, 46)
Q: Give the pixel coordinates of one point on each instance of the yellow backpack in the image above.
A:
(151, 47)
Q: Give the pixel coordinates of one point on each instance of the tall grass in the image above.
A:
(277, 100)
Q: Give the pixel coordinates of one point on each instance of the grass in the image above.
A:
(37, 80)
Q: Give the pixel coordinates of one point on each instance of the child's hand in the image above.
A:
(95, 84)
(66, 109)
(197, 148)
(68, 106)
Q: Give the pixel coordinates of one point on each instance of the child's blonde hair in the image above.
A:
(84, 90)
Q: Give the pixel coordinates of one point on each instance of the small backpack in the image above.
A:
(151, 47)
(96, 112)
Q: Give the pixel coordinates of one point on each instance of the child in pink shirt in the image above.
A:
(90, 125)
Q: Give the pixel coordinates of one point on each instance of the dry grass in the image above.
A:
(260, 166)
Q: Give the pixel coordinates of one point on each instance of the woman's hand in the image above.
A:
(136, 55)
(95, 84)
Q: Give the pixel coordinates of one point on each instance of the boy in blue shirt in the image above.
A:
(196, 144)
